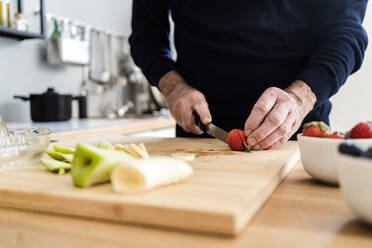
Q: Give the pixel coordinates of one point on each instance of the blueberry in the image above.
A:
(351, 149)
(368, 153)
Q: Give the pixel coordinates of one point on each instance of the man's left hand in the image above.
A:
(278, 114)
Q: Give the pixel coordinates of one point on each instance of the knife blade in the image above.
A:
(215, 131)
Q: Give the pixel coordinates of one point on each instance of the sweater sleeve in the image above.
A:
(339, 50)
(149, 41)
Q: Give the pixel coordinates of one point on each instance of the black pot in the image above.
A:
(51, 106)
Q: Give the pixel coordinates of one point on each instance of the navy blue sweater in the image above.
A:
(233, 50)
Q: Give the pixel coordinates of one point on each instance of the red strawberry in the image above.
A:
(362, 130)
(315, 129)
(235, 139)
(334, 135)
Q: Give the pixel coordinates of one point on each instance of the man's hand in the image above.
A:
(182, 100)
(278, 114)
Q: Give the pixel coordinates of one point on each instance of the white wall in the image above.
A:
(22, 64)
(353, 103)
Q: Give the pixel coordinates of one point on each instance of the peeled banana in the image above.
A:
(144, 174)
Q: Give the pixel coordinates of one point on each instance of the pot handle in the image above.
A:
(82, 101)
(24, 98)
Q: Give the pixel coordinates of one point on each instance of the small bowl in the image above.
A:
(319, 156)
(355, 176)
(32, 143)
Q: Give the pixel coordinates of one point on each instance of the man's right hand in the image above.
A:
(182, 100)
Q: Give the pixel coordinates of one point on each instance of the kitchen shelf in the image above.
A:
(21, 35)
(13, 33)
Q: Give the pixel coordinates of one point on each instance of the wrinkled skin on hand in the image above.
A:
(183, 100)
(278, 114)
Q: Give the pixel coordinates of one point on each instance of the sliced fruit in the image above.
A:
(106, 145)
(235, 139)
(55, 166)
(61, 171)
(93, 165)
(149, 173)
(68, 157)
(64, 149)
(137, 151)
(120, 147)
(132, 151)
(184, 156)
(60, 156)
(142, 147)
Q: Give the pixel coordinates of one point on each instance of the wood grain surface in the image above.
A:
(300, 213)
(225, 192)
(135, 126)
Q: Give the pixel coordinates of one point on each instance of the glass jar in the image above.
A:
(20, 22)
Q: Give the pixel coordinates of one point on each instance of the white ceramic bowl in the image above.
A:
(355, 176)
(319, 156)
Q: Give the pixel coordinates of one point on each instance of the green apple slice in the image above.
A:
(56, 155)
(64, 149)
(60, 156)
(69, 157)
(55, 166)
(93, 165)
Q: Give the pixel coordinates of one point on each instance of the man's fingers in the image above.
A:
(280, 135)
(277, 143)
(273, 120)
(188, 122)
(260, 110)
(182, 106)
(202, 110)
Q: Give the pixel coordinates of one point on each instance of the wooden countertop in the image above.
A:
(301, 213)
(136, 125)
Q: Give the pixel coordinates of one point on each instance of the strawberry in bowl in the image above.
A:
(318, 148)
(362, 130)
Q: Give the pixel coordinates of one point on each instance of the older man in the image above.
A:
(265, 65)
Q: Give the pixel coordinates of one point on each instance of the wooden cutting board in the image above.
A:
(225, 192)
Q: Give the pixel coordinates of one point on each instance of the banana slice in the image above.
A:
(105, 145)
(149, 173)
(184, 156)
(137, 151)
(120, 147)
(143, 150)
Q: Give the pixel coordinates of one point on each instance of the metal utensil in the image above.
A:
(216, 132)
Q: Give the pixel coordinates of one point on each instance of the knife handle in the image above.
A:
(198, 122)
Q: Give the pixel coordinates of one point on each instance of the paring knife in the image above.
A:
(215, 131)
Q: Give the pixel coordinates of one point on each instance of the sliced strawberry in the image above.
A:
(235, 139)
